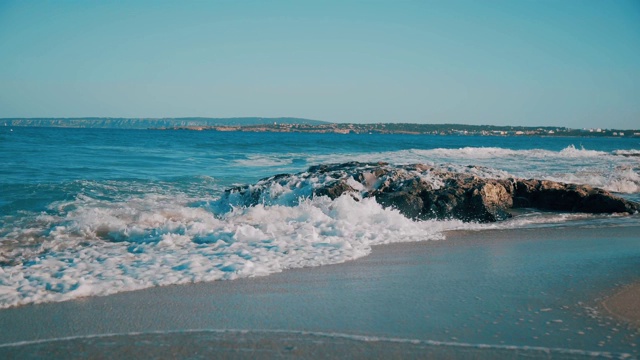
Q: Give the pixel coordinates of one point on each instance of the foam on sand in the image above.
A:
(100, 248)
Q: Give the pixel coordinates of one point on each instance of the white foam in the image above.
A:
(631, 152)
(263, 160)
(621, 179)
(100, 248)
(609, 171)
(473, 153)
(97, 247)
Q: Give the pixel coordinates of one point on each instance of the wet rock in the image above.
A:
(550, 195)
(334, 190)
(421, 191)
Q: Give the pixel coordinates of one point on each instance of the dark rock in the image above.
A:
(334, 190)
(550, 195)
(409, 204)
(424, 192)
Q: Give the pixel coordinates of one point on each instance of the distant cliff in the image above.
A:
(151, 123)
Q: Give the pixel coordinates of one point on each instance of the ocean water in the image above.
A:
(90, 212)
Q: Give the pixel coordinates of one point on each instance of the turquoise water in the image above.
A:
(87, 212)
(54, 155)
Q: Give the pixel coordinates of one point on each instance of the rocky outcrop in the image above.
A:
(426, 192)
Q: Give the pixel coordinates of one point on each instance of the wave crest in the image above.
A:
(100, 248)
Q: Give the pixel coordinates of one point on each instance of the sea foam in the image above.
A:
(100, 248)
(608, 170)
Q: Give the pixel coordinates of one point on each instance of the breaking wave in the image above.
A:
(100, 247)
(96, 244)
(617, 171)
(104, 237)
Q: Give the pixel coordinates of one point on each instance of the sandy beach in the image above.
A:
(476, 294)
(625, 304)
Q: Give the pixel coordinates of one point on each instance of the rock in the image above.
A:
(425, 192)
(550, 195)
(410, 204)
(334, 190)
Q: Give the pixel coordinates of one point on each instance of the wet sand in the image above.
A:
(489, 294)
(625, 305)
(270, 345)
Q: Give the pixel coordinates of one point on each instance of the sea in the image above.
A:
(86, 213)
(92, 212)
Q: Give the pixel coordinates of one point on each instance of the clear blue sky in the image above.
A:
(565, 63)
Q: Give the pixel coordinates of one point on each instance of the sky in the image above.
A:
(517, 62)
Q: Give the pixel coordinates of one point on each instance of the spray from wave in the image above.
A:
(103, 247)
(617, 171)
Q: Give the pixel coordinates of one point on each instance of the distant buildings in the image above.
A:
(294, 125)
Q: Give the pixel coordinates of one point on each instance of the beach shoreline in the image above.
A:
(432, 292)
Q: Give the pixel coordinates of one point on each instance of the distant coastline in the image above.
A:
(299, 125)
(151, 123)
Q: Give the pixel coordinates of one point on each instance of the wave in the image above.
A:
(102, 247)
(102, 241)
(262, 161)
(627, 152)
(620, 179)
(105, 237)
(476, 153)
(617, 171)
(607, 170)
(92, 246)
